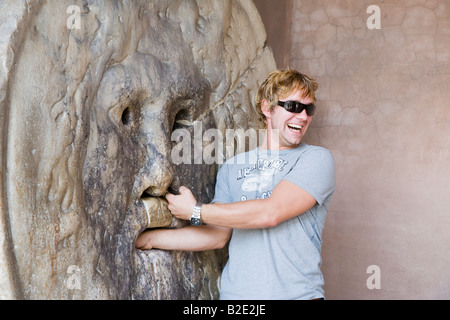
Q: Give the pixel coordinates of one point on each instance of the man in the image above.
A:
(274, 251)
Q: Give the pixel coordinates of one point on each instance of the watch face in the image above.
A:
(196, 221)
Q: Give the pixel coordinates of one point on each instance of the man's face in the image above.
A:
(291, 127)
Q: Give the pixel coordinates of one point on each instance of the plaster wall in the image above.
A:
(277, 19)
(383, 111)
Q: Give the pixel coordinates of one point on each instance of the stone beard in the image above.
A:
(89, 98)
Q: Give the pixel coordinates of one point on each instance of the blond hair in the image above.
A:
(281, 83)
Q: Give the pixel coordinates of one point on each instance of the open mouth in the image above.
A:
(295, 128)
(158, 274)
(170, 274)
(157, 213)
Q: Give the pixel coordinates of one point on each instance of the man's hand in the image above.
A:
(181, 205)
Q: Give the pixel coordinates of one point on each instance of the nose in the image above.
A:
(302, 115)
(157, 172)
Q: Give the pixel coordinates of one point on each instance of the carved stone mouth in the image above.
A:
(157, 213)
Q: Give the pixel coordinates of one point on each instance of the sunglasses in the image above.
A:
(297, 107)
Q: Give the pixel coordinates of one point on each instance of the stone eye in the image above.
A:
(127, 116)
(181, 119)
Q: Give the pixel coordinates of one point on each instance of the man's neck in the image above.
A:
(271, 141)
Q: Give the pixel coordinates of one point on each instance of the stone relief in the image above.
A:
(86, 117)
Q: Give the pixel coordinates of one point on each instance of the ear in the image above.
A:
(265, 108)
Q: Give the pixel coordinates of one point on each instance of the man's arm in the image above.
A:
(190, 238)
(286, 201)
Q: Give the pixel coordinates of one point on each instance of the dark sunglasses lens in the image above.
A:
(310, 109)
(297, 107)
(290, 106)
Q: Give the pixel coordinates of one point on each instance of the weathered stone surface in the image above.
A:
(86, 118)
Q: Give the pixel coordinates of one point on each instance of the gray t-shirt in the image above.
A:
(281, 262)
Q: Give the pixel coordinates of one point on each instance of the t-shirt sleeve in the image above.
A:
(222, 190)
(314, 172)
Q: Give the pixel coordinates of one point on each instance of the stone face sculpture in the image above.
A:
(90, 94)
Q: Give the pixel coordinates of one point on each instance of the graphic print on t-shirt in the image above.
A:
(259, 177)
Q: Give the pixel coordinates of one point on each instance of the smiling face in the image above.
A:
(290, 128)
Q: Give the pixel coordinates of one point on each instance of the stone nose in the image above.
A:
(156, 175)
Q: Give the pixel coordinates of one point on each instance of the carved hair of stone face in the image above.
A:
(87, 117)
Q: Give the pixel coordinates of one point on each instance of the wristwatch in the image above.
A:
(195, 219)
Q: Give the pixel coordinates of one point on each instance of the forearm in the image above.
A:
(286, 201)
(248, 214)
(189, 238)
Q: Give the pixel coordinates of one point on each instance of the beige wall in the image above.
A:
(384, 112)
(277, 18)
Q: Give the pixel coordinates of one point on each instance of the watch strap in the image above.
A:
(196, 214)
